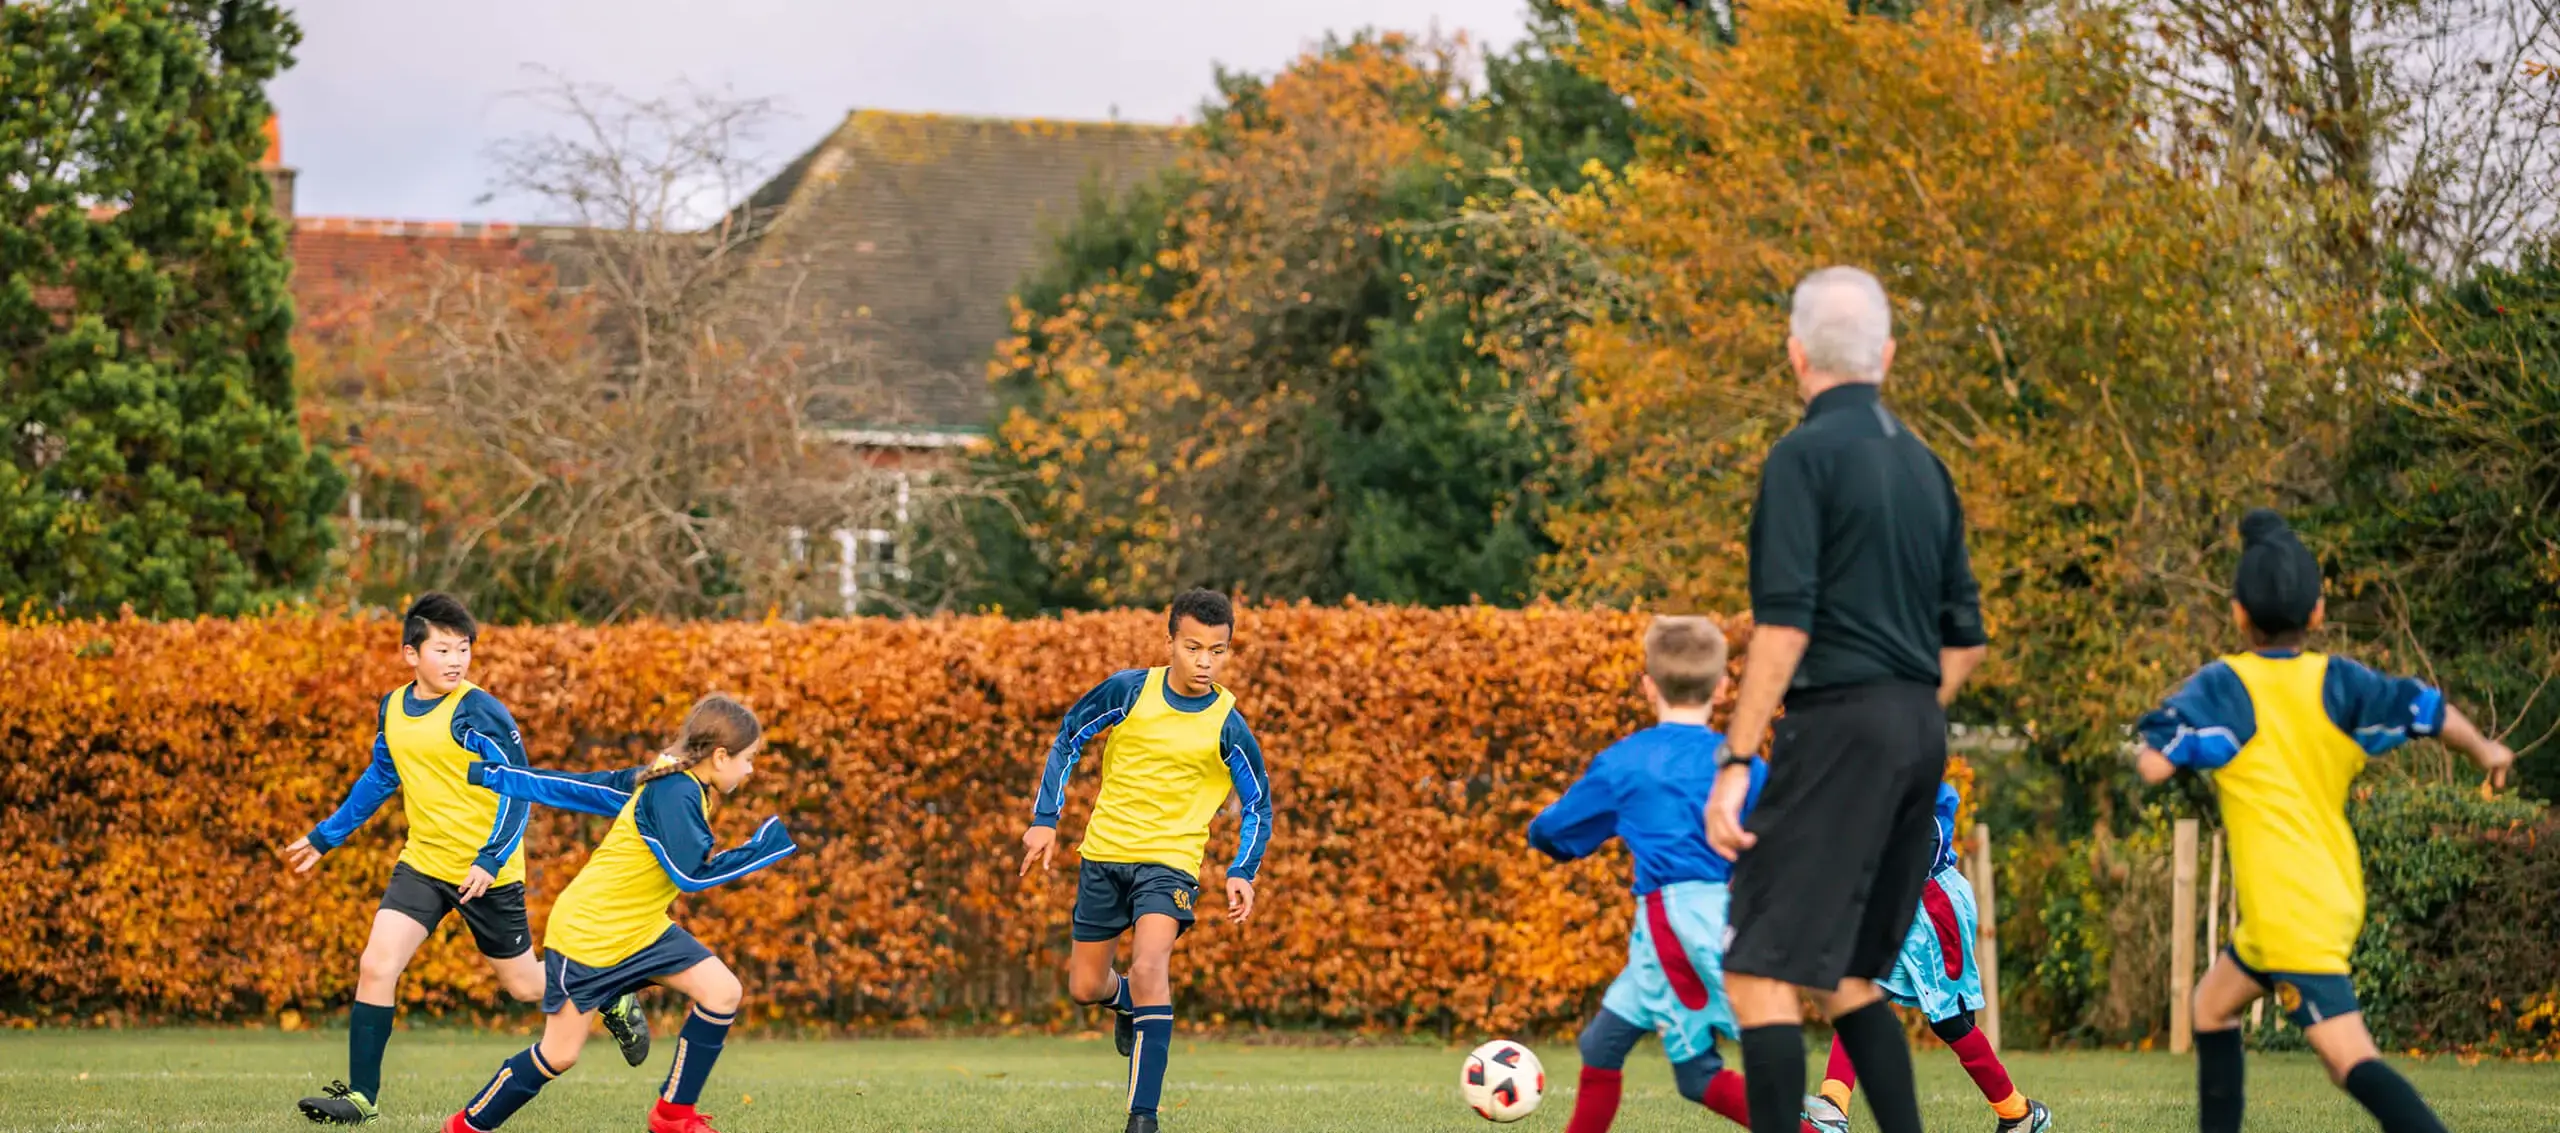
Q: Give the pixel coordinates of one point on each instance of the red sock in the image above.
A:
(1975, 1052)
(1726, 1098)
(670, 1112)
(1840, 1071)
(1595, 1105)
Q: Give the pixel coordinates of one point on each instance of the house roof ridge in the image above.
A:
(959, 117)
(397, 226)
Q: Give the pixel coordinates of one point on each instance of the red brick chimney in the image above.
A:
(279, 175)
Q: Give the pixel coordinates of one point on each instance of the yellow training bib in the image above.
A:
(449, 819)
(617, 905)
(1163, 780)
(2294, 864)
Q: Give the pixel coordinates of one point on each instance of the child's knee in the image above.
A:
(1952, 1029)
(1606, 1040)
(1691, 1077)
(1150, 970)
(558, 1057)
(723, 996)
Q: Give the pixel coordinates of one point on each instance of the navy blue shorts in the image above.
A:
(567, 982)
(2306, 998)
(1111, 896)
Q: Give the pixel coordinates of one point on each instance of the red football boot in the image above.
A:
(669, 1118)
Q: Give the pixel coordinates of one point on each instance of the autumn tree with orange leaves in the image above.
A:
(2112, 359)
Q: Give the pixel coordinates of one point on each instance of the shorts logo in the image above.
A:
(1182, 899)
(2288, 996)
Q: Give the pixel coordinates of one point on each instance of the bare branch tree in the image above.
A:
(2419, 126)
(626, 426)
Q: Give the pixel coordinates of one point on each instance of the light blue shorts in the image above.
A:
(1920, 977)
(1642, 994)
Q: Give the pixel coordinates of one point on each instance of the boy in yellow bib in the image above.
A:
(465, 852)
(2285, 732)
(1177, 747)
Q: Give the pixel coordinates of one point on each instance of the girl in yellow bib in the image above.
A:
(1177, 748)
(609, 932)
(2285, 732)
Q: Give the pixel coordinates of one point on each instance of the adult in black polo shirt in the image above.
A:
(1867, 621)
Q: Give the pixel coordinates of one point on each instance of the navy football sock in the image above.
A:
(1120, 999)
(368, 1031)
(2221, 1075)
(517, 1081)
(697, 1047)
(2391, 1099)
(1146, 1067)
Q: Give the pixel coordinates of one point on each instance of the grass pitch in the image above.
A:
(246, 1080)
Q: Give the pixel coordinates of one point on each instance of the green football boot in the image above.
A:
(629, 1027)
(340, 1104)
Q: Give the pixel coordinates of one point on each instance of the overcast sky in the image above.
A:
(392, 105)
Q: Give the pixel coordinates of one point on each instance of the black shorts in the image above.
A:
(1111, 896)
(1847, 827)
(496, 917)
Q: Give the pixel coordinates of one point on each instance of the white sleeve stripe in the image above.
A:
(716, 879)
(1075, 751)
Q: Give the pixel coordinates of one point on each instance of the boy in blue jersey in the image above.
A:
(1177, 747)
(2285, 733)
(464, 854)
(1937, 976)
(1650, 790)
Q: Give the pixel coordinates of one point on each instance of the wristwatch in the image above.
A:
(1730, 758)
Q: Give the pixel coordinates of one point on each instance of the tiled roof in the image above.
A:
(916, 228)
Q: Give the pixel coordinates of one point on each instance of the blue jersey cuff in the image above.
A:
(491, 864)
(320, 841)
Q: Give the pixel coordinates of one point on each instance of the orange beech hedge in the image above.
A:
(155, 769)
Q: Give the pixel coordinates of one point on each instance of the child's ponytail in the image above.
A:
(716, 723)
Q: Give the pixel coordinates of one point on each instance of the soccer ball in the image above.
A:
(1503, 1081)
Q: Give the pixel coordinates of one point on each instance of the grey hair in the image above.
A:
(1843, 319)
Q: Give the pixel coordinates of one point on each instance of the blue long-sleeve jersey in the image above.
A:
(1167, 740)
(1649, 789)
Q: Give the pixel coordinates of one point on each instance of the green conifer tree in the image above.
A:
(153, 457)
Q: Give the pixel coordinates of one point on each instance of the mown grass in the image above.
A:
(236, 1080)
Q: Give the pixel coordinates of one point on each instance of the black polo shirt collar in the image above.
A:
(1845, 396)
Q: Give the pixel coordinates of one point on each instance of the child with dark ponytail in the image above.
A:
(609, 933)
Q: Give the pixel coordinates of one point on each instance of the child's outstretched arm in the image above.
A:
(602, 793)
(380, 780)
(672, 825)
(1583, 820)
(2383, 712)
(2490, 756)
(2200, 727)
(1101, 707)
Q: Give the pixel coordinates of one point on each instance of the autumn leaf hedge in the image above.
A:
(158, 766)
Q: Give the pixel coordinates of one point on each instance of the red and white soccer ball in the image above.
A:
(1503, 1081)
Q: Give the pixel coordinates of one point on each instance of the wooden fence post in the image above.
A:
(2213, 902)
(1986, 940)
(2182, 936)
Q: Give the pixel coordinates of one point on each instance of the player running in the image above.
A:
(609, 933)
(1937, 976)
(1650, 789)
(1177, 747)
(464, 854)
(2285, 732)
